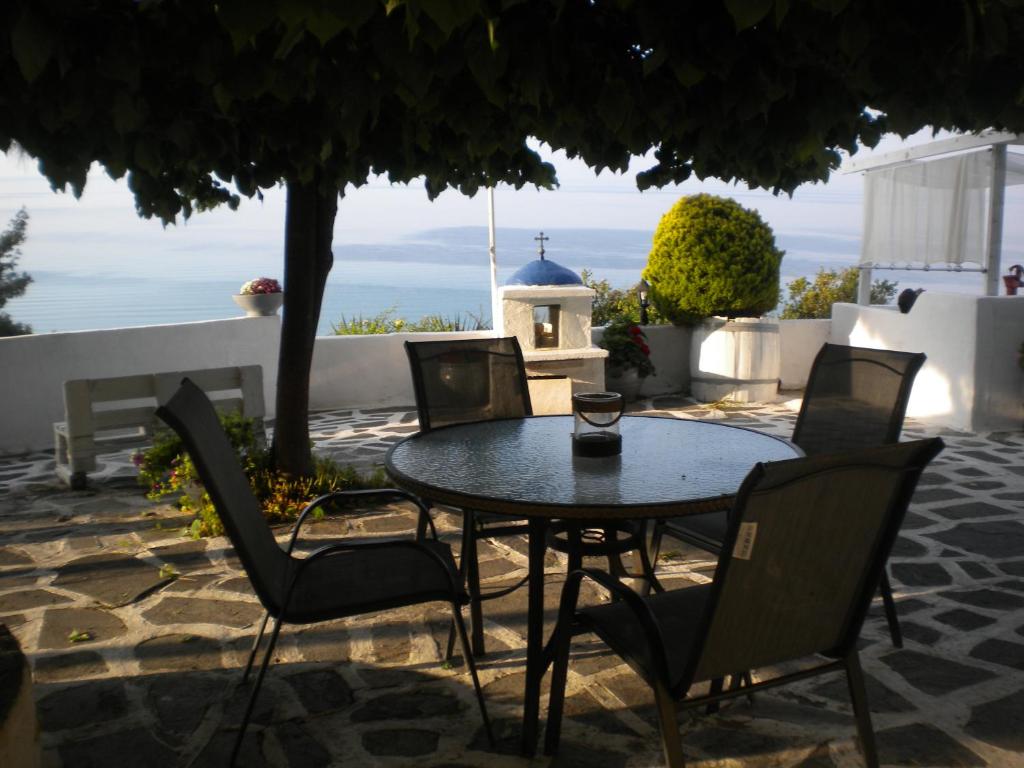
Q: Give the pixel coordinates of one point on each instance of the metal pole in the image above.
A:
(864, 286)
(995, 220)
(864, 279)
(492, 249)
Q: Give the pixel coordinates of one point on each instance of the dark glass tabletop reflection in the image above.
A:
(526, 466)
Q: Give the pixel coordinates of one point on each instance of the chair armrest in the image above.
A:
(637, 605)
(393, 494)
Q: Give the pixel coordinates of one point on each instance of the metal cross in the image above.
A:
(540, 239)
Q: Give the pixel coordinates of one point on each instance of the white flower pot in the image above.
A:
(259, 304)
(625, 381)
(735, 359)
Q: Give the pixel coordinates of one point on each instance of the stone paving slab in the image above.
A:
(137, 635)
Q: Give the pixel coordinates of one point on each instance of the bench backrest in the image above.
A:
(93, 406)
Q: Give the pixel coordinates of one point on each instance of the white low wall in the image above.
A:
(971, 379)
(348, 371)
(670, 353)
(33, 368)
(367, 371)
(799, 343)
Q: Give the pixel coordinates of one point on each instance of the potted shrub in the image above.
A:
(260, 297)
(629, 357)
(714, 265)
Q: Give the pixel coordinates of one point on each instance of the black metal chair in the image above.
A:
(458, 381)
(800, 562)
(335, 581)
(855, 398)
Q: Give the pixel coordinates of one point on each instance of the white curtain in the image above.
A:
(928, 213)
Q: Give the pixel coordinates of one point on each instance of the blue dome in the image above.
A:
(544, 272)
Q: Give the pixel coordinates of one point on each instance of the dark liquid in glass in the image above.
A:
(597, 444)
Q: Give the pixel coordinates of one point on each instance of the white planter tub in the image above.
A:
(735, 359)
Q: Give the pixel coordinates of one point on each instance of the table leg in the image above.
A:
(534, 635)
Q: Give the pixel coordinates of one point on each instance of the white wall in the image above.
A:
(670, 353)
(799, 342)
(367, 371)
(33, 368)
(971, 379)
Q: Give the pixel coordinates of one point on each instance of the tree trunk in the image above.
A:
(309, 229)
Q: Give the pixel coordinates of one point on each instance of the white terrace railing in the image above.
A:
(971, 380)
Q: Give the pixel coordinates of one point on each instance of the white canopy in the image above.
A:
(932, 214)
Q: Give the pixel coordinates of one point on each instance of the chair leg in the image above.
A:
(859, 698)
(648, 554)
(255, 692)
(671, 742)
(713, 690)
(476, 613)
(747, 679)
(255, 646)
(615, 566)
(468, 543)
(885, 588)
(460, 627)
(559, 673)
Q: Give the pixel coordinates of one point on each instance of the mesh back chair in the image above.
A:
(801, 559)
(462, 380)
(334, 581)
(459, 381)
(855, 398)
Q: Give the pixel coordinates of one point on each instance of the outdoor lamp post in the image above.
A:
(641, 292)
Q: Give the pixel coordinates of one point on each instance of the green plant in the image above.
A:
(712, 256)
(74, 636)
(168, 571)
(386, 322)
(809, 300)
(166, 469)
(627, 347)
(613, 303)
(12, 284)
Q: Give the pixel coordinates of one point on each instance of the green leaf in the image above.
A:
(653, 62)
(244, 19)
(74, 636)
(449, 14)
(126, 117)
(746, 13)
(31, 44)
(492, 30)
(781, 9)
(167, 571)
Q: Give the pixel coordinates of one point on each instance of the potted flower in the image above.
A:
(260, 297)
(629, 357)
(714, 266)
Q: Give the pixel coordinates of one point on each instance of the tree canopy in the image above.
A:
(199, 102)
(187, 98)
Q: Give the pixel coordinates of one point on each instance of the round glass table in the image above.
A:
(526, 468)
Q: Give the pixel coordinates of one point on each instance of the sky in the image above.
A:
(102, 229)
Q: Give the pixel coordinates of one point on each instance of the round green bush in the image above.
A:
(711, 256)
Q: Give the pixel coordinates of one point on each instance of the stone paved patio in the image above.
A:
(136, 635)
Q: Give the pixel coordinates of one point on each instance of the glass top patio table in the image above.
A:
(526, 468)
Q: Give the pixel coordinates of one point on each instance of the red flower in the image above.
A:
(645, 349)
(635, 330)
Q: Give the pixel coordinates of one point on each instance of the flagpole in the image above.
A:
(493, 252)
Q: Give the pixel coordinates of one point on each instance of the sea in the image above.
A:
(441, 271)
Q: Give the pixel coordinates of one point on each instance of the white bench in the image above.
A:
(111, 414)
